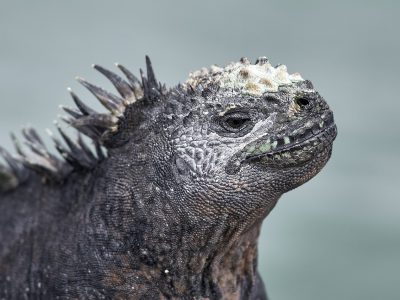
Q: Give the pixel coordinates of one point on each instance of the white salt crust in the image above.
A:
(252, 79)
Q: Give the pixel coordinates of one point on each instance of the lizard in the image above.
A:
(169, 200)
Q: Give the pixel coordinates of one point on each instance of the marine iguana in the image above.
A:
(174, 207)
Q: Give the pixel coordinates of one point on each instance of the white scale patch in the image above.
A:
(251, 79)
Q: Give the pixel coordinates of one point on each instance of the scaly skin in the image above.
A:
(175, 209)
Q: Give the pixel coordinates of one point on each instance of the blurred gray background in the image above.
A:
(338, 236)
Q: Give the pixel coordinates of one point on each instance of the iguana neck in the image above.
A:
(148, 247)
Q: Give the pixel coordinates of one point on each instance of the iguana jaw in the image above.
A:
(290, 150)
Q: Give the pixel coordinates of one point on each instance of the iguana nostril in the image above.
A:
(302, 102)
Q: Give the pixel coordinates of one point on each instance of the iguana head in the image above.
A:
(232, 140)
(246, 133)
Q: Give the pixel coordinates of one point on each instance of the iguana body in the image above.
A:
(174, 210)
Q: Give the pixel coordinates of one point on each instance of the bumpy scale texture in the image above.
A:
(168, 201)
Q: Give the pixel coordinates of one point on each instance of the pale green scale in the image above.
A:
(251, 149)
(265, 147)
(286, 140)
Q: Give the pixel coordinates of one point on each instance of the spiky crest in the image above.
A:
(77, 154)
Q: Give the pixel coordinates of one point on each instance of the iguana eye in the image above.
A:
(236, 122)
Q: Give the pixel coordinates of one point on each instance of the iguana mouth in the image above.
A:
(291, 149)
(294, 150)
